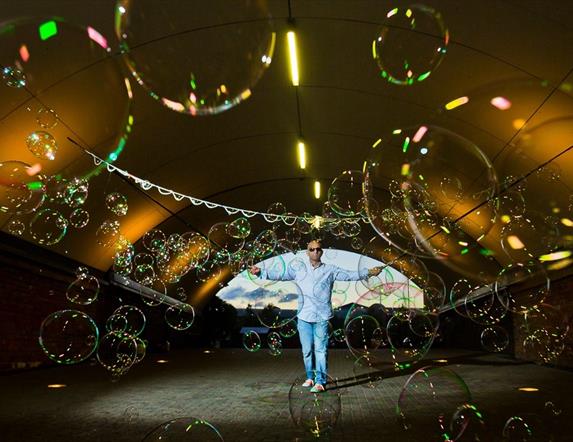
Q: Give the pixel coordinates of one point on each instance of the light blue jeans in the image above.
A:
(314, 341)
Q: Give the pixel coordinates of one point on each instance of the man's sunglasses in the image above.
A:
(312, 249)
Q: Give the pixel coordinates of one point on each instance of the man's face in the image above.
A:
(314, 250)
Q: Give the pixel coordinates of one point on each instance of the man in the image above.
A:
(315, 280)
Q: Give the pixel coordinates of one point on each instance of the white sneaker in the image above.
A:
(308, 383)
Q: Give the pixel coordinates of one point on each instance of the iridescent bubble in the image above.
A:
(56, 189)
(361, 334)
(523, 428)
(345, 193)
(144, 274)
(181, 294)
(288, 330)
(108, 233)
(494, 339)
(20, 192)
(241, 37)
(106, 101)
(116, 203)
(154, 240)
(277, 304)
(521, 287)
(68, 336)
(467, 423)
(184, 428)
(13, 77)
(82, 272)
(316, 414)
(221, 241)
(251, 341)
(367, 372)
(117, 352)
(356, 243)
(264, 245)
(83, 290)
(79, 218)
(43, 145)
(16, 227)
(176, 243)
(134, 317)
(46, 118)
(410, 44)
(428, 400)
(48, 227)
(76, 192)
(406, 345)
(116, 323)
(180, 316)
(277, 208)
(274, 340)
(239, 228)
(426, 217)
(156, 295)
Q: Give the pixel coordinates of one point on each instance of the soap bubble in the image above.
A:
(184, 428)
(220, 52)
(13, 77)
(411, 206)
(494, 339)
(180, 316)
(345, 193)
(522, 286)
(32, 44)
(68, 336)
(46, 118)
(428, 400)
(117, 352)
(16, 227)
(48, 227)
(79, 218)
(154, 240)
(411, 44)
(108, 233)
(116, 203)
(20, 192)
(83, 290)
(76, 192)
(42, 144)
(251, 341)
(468, 424)
(239, 228)
(316, 414)
(134, 317)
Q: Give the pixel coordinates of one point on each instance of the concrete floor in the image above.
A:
(246, 397)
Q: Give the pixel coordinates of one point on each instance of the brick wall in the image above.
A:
(559, 308)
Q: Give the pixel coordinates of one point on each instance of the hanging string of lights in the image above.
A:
(230, 210)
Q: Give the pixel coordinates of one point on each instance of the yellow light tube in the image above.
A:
(293, 58)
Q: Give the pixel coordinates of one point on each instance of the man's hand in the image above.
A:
(374, 271)
(254, 270)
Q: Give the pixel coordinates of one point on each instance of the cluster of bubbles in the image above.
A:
(436, 404)
(431, 194)
(48, 205)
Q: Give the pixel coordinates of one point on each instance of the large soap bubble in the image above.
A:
(316, 414)
(48, 227)
(69, 73)
(193, 57)
(184, 428)
(20, 191)
(428, 400)
(68, 336)
(431, 192)
(410, 44)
